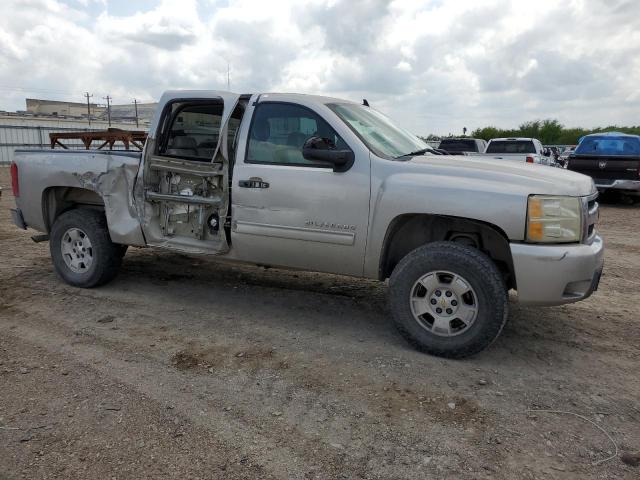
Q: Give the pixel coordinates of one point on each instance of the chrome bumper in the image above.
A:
(557, 274)
(633, 185)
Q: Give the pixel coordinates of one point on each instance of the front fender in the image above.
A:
(502, 206)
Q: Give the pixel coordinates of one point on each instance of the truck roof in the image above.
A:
(512, 139)
(271, 95)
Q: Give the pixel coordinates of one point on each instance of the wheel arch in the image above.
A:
(57, 200)
(407, 232)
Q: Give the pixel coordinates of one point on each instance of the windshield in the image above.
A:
(458, 145)
(511, 146)
(377, 131)
(604, 145)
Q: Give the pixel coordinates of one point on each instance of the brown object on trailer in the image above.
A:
(130, 138)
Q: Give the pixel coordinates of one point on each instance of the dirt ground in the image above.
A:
(189, 368)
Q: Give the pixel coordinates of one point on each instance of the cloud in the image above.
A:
(434, 65)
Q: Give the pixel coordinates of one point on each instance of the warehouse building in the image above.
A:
(119, 113)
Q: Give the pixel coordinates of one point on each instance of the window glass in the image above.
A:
(377, 131)
(607, 145)
(511, 146)
(278, 132)
(194, 131)
(458, 145)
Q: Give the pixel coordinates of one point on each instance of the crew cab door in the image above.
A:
(290, 211)
(185, 189)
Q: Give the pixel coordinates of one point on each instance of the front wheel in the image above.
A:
(81, 249)
(448, 299)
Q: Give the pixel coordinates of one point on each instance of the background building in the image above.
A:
(119, 113)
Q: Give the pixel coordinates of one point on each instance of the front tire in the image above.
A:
(81, 249)
(448, 299)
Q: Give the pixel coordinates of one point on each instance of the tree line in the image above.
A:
(549, 132)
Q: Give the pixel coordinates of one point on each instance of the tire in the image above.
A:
(476, 319)
(84, 232)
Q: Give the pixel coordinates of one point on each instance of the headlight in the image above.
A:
(554, 219)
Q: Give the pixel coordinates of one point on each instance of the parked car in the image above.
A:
(458, 146)
(521, 150)
(322, 184)
(612, 159)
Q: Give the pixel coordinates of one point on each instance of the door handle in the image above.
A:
(253, 182)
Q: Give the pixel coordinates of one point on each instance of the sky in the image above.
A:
(434, 66)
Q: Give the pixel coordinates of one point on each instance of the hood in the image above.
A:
(528, 177)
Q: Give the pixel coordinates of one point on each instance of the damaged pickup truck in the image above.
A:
(325, 185)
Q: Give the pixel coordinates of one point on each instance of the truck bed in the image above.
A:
(49, 178)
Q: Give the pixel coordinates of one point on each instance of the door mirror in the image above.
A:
(324, 150)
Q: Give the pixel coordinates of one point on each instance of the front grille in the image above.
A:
(590, 216)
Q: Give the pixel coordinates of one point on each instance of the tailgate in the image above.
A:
(606, 167)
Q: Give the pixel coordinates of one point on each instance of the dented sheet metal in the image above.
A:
(110, 175)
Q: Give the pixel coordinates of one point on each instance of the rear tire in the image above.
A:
(448, 300)
(81, 249)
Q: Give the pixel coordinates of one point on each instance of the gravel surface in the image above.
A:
(191, 368)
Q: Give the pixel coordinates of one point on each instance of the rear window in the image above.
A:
(511, 146)
(458, 145)
(606, 145)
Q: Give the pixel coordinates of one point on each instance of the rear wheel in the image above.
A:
(448, 299)
(81, 249)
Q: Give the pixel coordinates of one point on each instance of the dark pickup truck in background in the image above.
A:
(458, 146)
(612, 159)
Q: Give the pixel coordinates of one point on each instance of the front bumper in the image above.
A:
(633, 185)
(557, 274)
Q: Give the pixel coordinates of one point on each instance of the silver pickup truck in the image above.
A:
(522, 150)
(326, 185)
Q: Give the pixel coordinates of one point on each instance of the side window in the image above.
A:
(193, 131)
(279, 130)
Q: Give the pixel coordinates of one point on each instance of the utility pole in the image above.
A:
(135, 104)
(108, 99)
(88, 107)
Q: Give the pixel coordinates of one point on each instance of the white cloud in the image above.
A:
(433, 65)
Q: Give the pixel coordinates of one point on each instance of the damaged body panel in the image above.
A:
(62, 179)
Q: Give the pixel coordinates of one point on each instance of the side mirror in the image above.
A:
(324, 150)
